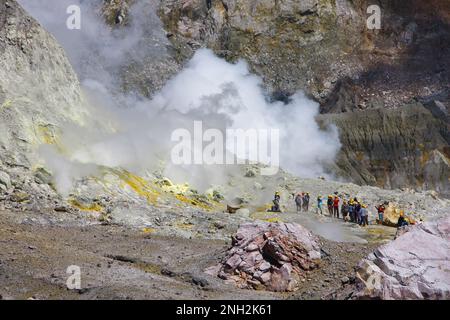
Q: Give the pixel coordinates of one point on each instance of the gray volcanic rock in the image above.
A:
(5, 180)
(279, 39)
(394, 148)
(153, 60)
(287, 43)
(414, 266)
(39, 91)
(270, 256)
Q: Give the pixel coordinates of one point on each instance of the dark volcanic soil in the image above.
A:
(122, 263)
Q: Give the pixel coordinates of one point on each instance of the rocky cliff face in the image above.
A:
(285, 41)
(39, 92)
(319, 46)
(152, 60)
(325, 48)
(393, 148)
(365, 80)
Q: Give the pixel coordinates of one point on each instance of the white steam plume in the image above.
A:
(208, 89)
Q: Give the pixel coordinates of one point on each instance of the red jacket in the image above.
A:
(336, 203)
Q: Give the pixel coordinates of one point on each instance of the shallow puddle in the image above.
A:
(331, 228)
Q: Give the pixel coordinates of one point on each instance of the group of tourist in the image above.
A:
(302, 201)
(352, 210)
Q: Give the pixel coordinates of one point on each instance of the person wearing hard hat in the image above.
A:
(319, 205)
(330, 205)
(276, 203)
(336, 207)
(351, 210)
(344, 210)
(401, 222)
(364, 216)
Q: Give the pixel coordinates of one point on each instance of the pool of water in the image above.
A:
(333, 229)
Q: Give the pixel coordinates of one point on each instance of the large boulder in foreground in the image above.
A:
(414, 266)
(269, 256)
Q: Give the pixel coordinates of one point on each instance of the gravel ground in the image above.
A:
(119, 262)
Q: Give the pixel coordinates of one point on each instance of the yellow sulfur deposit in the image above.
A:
(184, 225)
(158, 188)
(274, 219)
(138, 185)
(86, 207)
(148, 230)
(264, 208)
(266, 216)
(6, 104)
(193, 202)
(175, 188)
(46, 135)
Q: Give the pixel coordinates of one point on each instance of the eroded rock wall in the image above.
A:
(39, 91)
(394, 148)
(325, 48)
